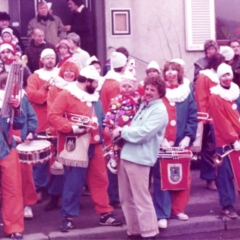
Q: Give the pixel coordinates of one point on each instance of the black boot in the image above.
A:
(53, 203)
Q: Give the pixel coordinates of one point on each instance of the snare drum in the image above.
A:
(34, 151)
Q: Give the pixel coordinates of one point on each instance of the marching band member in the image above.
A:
(207, 79)
(224, 105)
(12, 201)
(76, 102)
(68, 73)
(38, 86)
(26, 133)
(180, 132)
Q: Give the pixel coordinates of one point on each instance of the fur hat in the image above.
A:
(154, 65)
(71, 66)
(227, 52)
(210, 43)
(47, 51)
(224, 68)
(118, 59)
(90, 72)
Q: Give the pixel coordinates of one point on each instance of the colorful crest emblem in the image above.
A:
(70, 143)
(175, 173)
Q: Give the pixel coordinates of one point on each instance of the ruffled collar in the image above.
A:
(61, 83)
(47, 75)
(180, 93)
(113, 75)
(230, 94)
(211, 74)
(83, 96)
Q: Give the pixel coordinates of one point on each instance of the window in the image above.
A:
(199, 23)
(227, 19)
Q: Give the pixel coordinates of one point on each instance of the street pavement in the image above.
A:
(203, 209)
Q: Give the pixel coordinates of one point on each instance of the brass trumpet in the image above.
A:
(203, 116)
(218, 158)
(80, 120)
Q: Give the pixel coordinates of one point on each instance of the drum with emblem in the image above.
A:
(33, 152)
(174, 168)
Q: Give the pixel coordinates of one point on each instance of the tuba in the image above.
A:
(13, 88)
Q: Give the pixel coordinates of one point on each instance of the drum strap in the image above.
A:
(5, 137)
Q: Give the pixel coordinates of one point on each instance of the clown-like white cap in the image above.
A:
(90, 72)
(5, 46)
(47, 51)
(178, 61)
(118, 59)
(227, 52)
(224, 68)
(91, 59)
(154, 65)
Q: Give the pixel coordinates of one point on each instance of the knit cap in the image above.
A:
(128, 78)
(47, 51)
(227, 52)
(224, 68)
(154, 65)
(90, 72)
(118, 59)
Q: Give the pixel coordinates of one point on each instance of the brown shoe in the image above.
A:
(211, 185)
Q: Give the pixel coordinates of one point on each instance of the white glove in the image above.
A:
(77, 130)
(165, 144)
(185, 142)
(236, 145)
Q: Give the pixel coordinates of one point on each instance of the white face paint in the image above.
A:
(226, 80)
(172, 76)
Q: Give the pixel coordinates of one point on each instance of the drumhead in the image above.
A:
(33, 145)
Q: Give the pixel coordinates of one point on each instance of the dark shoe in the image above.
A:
(53, 203)
(230, 212)
(109, 220)
(67, 224)
(134, 237)
(17, 236)
(149, 238)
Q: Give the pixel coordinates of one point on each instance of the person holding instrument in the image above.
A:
(224, 105)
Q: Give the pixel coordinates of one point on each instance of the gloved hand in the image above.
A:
(76, 129)
(185, 142)
(165, 144)
(236, 145)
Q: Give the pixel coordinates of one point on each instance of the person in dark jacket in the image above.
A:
(5, 23)
(82, 24)
(36, 46)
